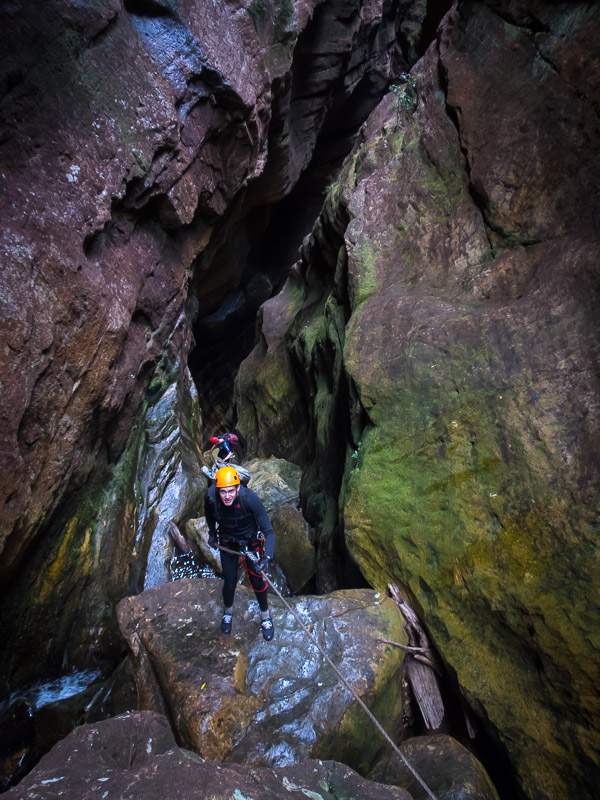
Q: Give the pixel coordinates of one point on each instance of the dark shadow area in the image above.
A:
(265, 230)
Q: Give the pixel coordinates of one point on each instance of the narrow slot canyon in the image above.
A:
(361, 236)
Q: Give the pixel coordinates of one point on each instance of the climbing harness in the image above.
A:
(358, 699)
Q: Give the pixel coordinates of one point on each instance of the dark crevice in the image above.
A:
(150, 8)
(436, 11)
(270, 229)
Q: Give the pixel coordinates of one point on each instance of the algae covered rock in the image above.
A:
(240, 699)
(476, 479)
(111, 540)
(448, 768)
(135, 755)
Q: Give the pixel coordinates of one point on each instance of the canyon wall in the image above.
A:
(440, 335)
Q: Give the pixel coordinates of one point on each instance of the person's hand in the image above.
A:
(262, 565)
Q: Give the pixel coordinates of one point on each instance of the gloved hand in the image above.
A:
(262, 565)
(213, 540)
(259, 562)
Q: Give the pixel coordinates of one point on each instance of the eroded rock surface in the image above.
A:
(136, 756)
(240, 699)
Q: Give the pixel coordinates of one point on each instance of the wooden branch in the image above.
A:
(425, 688)
(406, 647)
(421, 667)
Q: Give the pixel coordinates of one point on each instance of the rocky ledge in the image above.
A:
(135, 755)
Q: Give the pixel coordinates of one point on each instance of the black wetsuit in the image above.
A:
(238, 526)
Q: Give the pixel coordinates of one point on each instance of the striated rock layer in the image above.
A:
(130, 132)
(441, 336)
(113, 180)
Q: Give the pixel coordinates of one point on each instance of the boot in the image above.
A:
(226, 623)
(268, 631)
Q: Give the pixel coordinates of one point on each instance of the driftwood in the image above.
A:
(178, 538)
(421, 665)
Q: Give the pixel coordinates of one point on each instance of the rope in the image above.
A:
(351, 689)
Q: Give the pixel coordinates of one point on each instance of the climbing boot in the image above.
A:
(226, 623)
(268, 631)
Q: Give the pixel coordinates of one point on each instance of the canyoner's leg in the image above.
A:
(229, 562)
(260, 586)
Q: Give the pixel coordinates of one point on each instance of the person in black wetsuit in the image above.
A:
(235, 516)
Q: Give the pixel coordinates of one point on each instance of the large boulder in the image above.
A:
(294, 547)
(135, 755)
(448, 769)
(240, 699)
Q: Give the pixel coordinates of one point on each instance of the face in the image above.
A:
(228, 495)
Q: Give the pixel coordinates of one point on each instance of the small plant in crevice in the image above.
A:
(357, 457)
(406, 94)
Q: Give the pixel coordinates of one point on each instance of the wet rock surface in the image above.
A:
(168, 482)
(113, 540)
(136, 756)
(239, 699)
(448, 768)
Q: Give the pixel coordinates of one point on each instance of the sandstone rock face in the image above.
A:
(240, 699)
(450, 314)
(93, 287)
(135, 755)
(112, 183)
(112, 541)
(130, 130)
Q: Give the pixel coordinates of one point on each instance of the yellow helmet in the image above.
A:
(227, 476)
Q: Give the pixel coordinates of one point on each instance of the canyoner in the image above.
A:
(239, 525)
(221, 454)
